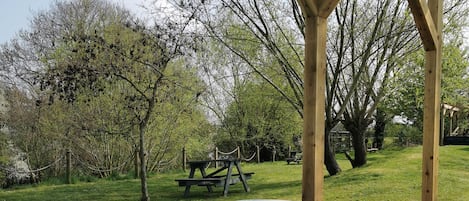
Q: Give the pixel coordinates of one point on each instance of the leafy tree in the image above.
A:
(259, 117)
(407, 97)
(97, 66)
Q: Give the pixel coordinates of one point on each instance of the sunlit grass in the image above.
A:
(393, 175)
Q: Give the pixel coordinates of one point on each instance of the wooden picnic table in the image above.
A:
(216, 178)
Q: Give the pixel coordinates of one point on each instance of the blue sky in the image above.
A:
(16, 14)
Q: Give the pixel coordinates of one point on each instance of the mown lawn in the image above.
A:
(390, 175)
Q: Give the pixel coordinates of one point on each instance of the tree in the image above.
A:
(373, 54)
(254, 121)
(261, 35)
(407, 97)
(91, 58)
(405, 92)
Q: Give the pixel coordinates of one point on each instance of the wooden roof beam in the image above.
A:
(308, 7)
(326, 7)
(321, 8)
(425, 24)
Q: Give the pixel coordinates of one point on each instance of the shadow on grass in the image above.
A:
(465, 148)
(235, 191)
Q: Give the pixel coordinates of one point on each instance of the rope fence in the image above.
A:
(102, 169)
(235, 154)
(32, 171)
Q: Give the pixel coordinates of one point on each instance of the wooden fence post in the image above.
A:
(258, 153)
(216, 157)
(184, 159)
(69, 166)
(289, 151)
(274, 152)
(239, 153)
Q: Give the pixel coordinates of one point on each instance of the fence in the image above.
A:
(235, 153)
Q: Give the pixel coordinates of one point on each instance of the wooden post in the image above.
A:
(239, 153)
(274, 152)
(289, 151)
(314, 87)
(184, 159)
(258, 154)
(428, 19)
(431, 124)
(451, 116)
(69, 166)
(216, 157)
(315, 13)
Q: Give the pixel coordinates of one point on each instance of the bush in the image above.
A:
(405, 135)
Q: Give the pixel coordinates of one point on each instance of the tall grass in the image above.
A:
(393, 175)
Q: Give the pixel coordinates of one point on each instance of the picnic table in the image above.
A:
(216, 178)
(294, 157)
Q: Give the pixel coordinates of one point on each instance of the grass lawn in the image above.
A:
(389, 175)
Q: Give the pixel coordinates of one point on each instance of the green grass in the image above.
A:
(392, 175)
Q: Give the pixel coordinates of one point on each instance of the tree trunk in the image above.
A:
(136, 167)
(143, 168)
(358, 141)
(329, 157)
(379, 128)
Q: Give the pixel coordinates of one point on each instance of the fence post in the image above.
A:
(273, 154)
(289, 151)
(69, 166)
(216, 157)
(258, 153)
(184, 159)
(239, 153)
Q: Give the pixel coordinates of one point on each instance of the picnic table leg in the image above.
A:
(204, 175)
(188, 186)
(242, 177)
(228, 179)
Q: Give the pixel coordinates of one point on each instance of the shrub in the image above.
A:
(405, 135)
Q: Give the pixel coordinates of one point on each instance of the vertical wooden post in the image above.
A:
(315, 13)
(431, 123)
(274, 152)
(451, 116)
(258, 153)
(216, 157)
(69, 166)
(289, 151)
(428, 18)
(314, 101)
(184, 159)
(239, 152)
(431, 113)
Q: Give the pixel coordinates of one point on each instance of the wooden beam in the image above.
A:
(425, 23)
(326, 7)
(308, 7)
(314, 107)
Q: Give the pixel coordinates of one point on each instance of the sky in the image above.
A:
(16, 14)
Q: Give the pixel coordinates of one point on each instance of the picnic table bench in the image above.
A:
(294, 157)
(215, 179)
